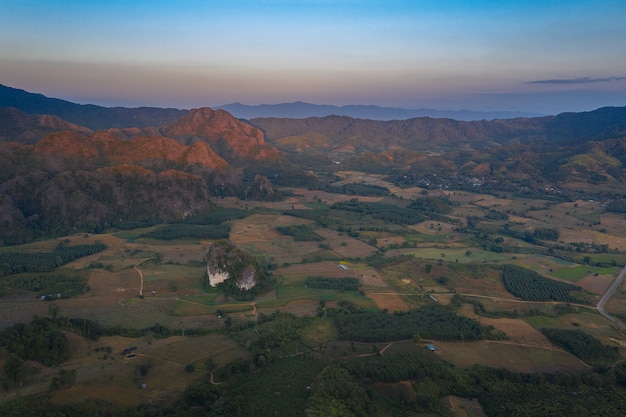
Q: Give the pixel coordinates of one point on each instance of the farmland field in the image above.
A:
(136, 283)
(511, 356)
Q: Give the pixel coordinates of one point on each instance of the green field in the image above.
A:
(578, 272)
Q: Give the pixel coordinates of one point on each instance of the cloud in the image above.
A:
(582, 80)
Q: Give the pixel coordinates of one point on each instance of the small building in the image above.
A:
(432, 347)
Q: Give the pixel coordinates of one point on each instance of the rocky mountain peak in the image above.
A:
(240, 139)
(214, 124)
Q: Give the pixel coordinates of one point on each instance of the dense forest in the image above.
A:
(41, 340)
(341, 284)
(582, 345)
(430, 322)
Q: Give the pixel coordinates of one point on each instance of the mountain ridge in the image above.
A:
(99, 117)
(88, 115)
(302, 110)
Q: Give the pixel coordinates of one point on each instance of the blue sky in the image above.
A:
(543, 56)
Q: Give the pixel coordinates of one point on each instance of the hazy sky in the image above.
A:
(545, 56)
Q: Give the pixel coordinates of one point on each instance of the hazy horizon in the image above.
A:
(530, 56)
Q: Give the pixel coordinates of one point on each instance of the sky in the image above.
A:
(545, 56)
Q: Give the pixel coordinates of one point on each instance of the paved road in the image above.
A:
(614, 286)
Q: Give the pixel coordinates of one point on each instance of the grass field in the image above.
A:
(511, 356)
(576, 273)
(452, 254)
(298, 293)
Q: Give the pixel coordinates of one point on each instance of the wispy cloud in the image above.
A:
(582, 80)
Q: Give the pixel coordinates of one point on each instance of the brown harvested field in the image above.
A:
(113, 377)
(315, 269)
(124, 283)
(517, 219)
(512, 356)
(518, 330)
(184, 253)
(346, 246)
(614, 222)
(257, 235)
(485, 281)
(617, 303)
(370, 278)
(596, 284)
(259, 228)
(388, 300)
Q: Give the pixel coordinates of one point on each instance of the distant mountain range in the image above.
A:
(99, 117)
(300, 110)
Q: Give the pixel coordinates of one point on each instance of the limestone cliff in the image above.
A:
(233, 270)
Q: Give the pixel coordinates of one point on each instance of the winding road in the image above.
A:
(614, 286)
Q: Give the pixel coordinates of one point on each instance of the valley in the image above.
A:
(431, 262)
(215, 266)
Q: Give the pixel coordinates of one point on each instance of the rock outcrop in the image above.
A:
(232, 269)
(239, 139)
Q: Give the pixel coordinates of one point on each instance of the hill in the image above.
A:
(56, 177)
(88, 115)
(426, 133)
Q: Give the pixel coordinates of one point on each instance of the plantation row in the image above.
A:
(19, 262)
(581, 345)
(529, 285)
(358, 189)
(341, 284)
(380, 211)
(44, 285)
(432, 322)
(300, 233)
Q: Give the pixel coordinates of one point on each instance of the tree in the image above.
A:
(53, 311)
(15, 368)
(209, 365)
